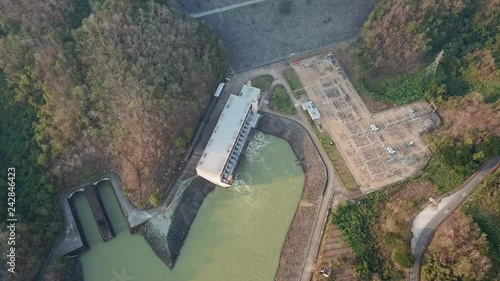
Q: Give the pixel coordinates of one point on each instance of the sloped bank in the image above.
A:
(296, 245)
(167, 243)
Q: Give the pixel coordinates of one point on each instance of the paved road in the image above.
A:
(334, 184)
(455, 200)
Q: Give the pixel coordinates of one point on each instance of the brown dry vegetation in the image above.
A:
(469, 115)
(458, 251)
(114, 86)
(399, 210)
(116, 93)
(398, 40)
(393, 37)
(482, 66)
(149, 85)
(393, 233)
(336, 253)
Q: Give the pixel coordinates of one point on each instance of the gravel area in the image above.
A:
(299, 234)
(271, 30)
(168, 245)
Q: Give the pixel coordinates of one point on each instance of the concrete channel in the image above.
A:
(72, 242)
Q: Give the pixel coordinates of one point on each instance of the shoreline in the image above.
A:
(167, 243)
(167, 246)
(296, 244)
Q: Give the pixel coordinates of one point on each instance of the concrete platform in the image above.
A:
(100, 214)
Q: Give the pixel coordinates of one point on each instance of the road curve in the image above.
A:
(333, 186)
(422, 239)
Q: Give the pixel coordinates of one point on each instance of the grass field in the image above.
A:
(294, 82)
(338, 162)
(281, 101)
(263, 82)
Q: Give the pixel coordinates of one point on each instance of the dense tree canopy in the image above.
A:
(403, 37)
(457, 251)
(88, 86)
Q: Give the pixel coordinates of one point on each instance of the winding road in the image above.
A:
(422, 238)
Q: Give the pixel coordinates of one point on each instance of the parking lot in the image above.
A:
(379, 149)
(261, 32)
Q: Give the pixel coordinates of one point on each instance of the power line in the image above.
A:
(234, 73)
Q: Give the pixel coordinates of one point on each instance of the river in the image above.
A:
(237, 235)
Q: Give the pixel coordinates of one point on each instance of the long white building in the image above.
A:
(229, 138)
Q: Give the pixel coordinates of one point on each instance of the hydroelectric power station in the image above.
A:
(229, 139)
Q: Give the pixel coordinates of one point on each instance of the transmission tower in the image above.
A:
(431, 69)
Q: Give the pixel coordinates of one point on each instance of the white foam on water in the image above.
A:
(255, 147)
(284, 169)
(242, 183)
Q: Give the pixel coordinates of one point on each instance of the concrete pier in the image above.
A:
(71, 241)
(100, 215)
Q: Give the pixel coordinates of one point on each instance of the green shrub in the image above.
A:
(403, 258)
(294, 82)
(280, 101)
(154, 198)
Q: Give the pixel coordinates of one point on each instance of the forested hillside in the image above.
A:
(467, 245)
(399, 43)
(401, 38)
(458, 251)
(90, 86)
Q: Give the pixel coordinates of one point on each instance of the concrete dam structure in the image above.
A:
(72, 241)
(100, 215)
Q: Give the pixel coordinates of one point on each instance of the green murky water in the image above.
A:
(237, 234)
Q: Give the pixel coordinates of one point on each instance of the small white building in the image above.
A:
(229, 138)
(312, 110)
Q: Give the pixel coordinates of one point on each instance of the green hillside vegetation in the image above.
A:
(484, 209)
(399, 42)
(36, 211)
(401, 38)
(82, 93)
(378, 228)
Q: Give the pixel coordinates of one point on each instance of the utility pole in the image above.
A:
(431, 69)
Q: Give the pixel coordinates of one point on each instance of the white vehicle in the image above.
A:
(374, 127)
(390, 150)
(219, 89)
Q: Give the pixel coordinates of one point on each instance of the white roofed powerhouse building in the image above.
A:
(229, 138)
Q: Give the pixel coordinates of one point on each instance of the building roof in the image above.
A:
(227, 129)
(313, 111)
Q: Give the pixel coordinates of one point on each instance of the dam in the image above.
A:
(72, 241)
(238, 233)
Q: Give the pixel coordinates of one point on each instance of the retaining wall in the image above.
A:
(296, 245)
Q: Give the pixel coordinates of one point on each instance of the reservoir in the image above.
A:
(238, 232)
